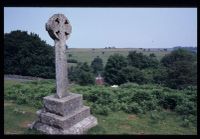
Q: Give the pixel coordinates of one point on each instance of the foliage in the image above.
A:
(130, 97)
(81, 74)
(152, 55)
(133, 107)
(16, 123)
(148, 75)
(97, 65)
(134, 98)
(69, 55)
(141, 61)
(177, 70)
(26, 54)
(181, 67)
(30, 93)
(137, 68)
(72, 61)
(177, 55)
(160, 75)
(112, 69)
(100, 109)
(186, 108)
(171, 100)
(131, 74)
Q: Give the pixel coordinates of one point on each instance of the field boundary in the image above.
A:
(20, 77)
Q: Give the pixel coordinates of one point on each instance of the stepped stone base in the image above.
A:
(63, 106)
(79, 128)
(64, 116)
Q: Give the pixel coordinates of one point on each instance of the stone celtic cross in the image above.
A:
(59, 29)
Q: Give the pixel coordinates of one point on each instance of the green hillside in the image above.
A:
(88, 54)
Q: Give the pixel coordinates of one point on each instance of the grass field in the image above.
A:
(88, 54)
(17, 117)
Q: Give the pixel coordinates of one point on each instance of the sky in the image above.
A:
(108, 27)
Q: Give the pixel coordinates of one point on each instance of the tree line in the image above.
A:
(175, 70)
(28, 55)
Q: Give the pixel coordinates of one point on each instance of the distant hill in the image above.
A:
(189, 48)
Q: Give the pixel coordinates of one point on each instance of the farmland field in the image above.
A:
(88, 54)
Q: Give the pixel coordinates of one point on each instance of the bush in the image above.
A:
(133, 108)
(186, 108)
(142, 96)
(30, 93)
(81, 74)
(156, 116)
(160, 95)
(148, 75)
(85, 78)
(129, 85)
(171, 100)
(185, 123)
(98, 96)
(147, 97)
(149, 105)
(130, 97)
(100, 109)
(72, 61)
(160, 75)
(115, 105)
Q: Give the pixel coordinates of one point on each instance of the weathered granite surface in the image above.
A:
(64, 116)
(78, 128)
(66, 121)
(63, 106)
(59, 29)
(63, 113)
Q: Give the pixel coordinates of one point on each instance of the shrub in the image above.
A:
(132, 108)
(115, 105)
(158, 94)
(160, 75)
(156, 116)
(85, 78)
(30, 93)
(185, 123)
(100, 109)
(141, 96)
(130, 97)
(72, 61)
(81, 74)
(148, 75)
(129, 85)
(171, 100)
(186, 108)
(149, 105)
